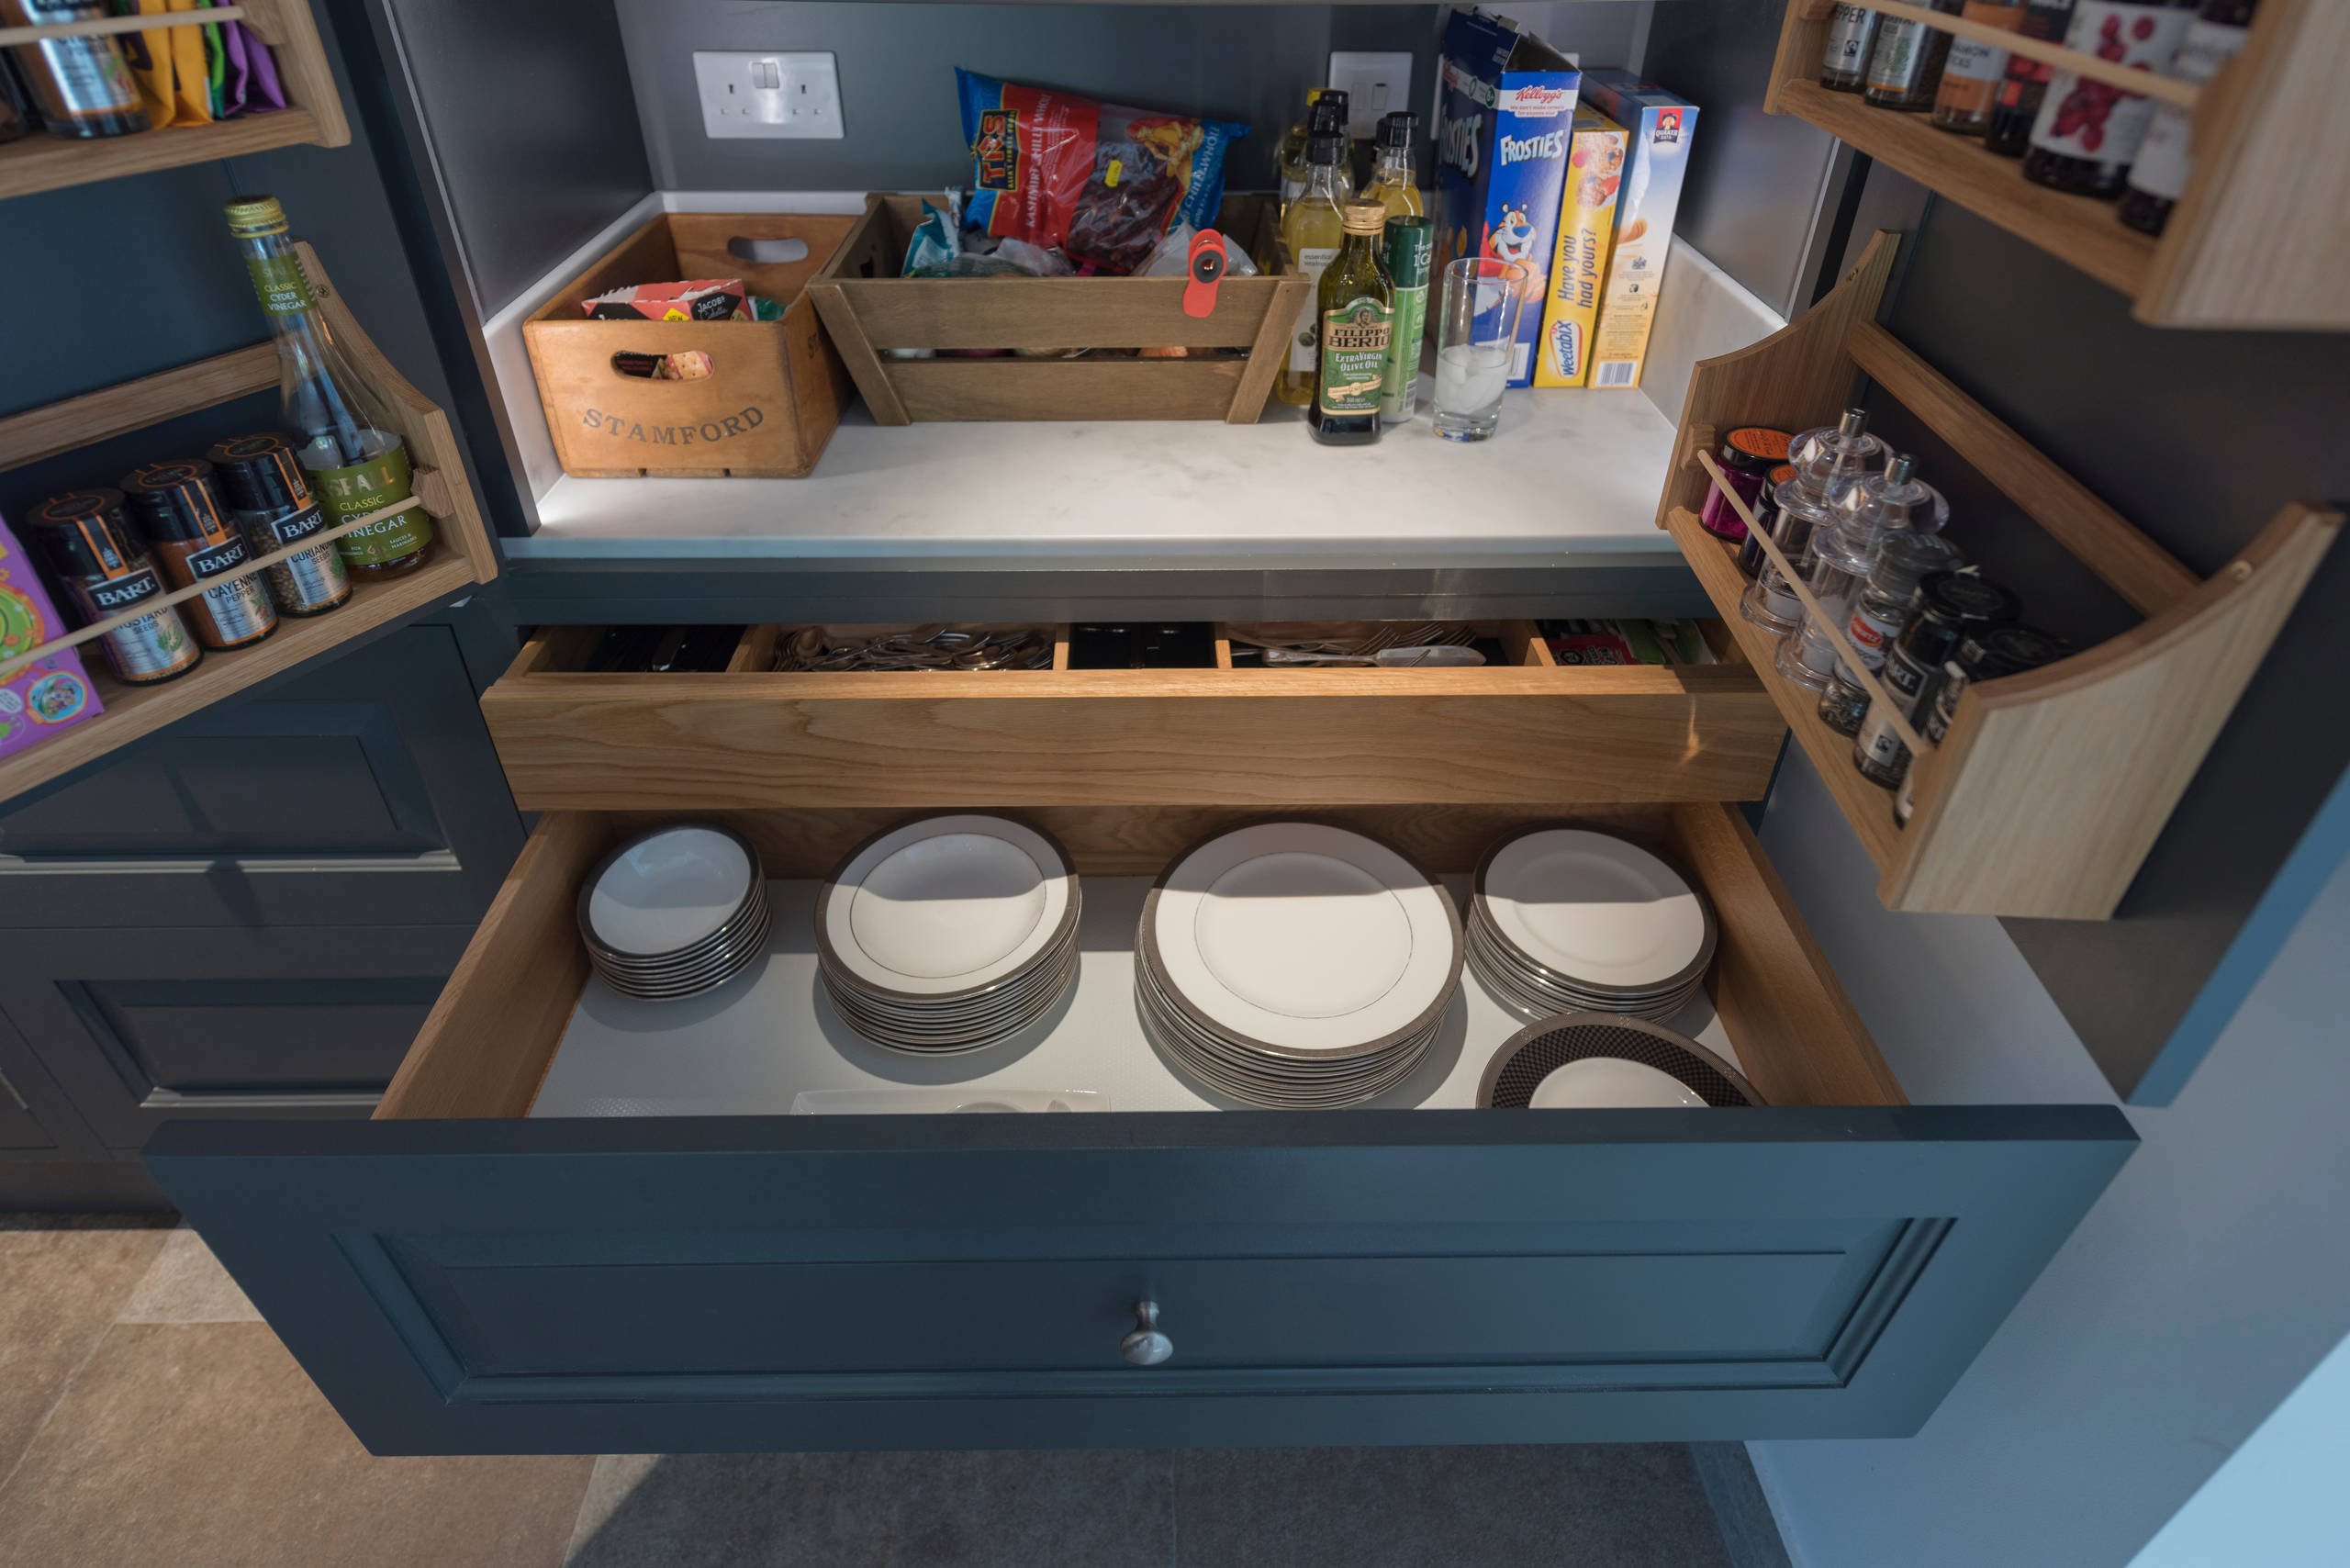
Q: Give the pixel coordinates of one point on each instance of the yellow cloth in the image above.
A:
(169, 62)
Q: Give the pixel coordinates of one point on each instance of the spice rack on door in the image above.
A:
(313, 111)
(466, 555)
(2260, 238)
(2050, 788)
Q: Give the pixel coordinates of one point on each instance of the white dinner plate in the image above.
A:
(1596, 910)
(1304, 939)
(1611, 1083)
(944, 905)
(668, 891)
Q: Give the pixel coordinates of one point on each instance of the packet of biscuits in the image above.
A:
(697, 299)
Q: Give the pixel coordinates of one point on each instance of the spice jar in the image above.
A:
(1986, 656)
(1799, 512)
(1746, 456)
(1868, 509)
(1949, 606)
(104, 569)
(1750, 559)
(82, 86)
(195, 542)
(259, 477)
(1843, 64)
(1971, 75)
(1881, 612)
(1905, 63)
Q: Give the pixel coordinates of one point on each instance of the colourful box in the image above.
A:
(1586, 218)
(1508, 104)
(48, 695)
(1660, 124)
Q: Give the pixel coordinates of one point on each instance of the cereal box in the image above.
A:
(1659, 126)
(1586, 218)
(1507, 104)
(40, 699)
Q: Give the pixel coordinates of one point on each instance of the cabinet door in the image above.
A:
(363, 791)
(490, 1286)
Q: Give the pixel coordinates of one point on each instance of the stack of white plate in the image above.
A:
(1570, 921)
(949, 932)
(1293, 964)
(674, 912)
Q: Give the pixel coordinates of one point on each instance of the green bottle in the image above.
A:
(1411, 244)
(1355, 307)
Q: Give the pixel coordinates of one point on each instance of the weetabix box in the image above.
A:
(1659, 126)
(1587, 218)
(46, 695)
(1508, 102)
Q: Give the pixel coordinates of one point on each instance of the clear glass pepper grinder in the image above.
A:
(1822, 458)
(1843, 552)
(1884, 608)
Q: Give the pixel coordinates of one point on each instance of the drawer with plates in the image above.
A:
(586, 1221)
(909, 717)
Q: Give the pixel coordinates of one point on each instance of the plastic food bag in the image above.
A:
(1101, 182)
(1173, 256)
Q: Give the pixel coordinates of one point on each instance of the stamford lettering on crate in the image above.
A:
(709, 432)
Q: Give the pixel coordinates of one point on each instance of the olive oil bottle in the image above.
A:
(1312, 234)
(1355, 309)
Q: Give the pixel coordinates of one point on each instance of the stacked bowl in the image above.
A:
(674, 912)
(949, 932)
(1565, 920)
(1295, 965)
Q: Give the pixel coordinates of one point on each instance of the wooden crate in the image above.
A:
(869, 311)
(776, 389)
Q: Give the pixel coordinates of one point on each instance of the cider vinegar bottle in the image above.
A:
(1312, 234)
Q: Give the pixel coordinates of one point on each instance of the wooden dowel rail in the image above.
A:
(1817, 615)
(2170, 90)
(181, 596)
(104, 26)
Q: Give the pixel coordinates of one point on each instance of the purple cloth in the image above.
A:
(262, 91)
(232, 83)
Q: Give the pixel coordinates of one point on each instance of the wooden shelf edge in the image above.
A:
(40, 163)
(133, 712)
(2081, 232)
(1868, 808)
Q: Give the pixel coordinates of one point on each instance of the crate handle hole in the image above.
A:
(766, 252)
(691, 364)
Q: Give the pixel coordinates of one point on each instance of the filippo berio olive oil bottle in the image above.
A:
(1354, 306)
(355, 458)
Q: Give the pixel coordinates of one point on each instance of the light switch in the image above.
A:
(1375, 85)
(754, 93)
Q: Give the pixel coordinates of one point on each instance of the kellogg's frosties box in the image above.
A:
(1659, 126)
(40, 699)
(1586, 218)
(1508, 102)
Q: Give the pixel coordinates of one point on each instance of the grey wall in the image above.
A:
(2208, 1280)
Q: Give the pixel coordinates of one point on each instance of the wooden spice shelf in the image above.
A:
(2260, 238)
(464, 555)
(2050, 786)
(313, 113)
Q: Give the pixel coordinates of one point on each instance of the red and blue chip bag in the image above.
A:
(1102, 182)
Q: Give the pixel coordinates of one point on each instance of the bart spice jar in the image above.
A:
(1986, 656)
(197, 544)
(1747, 456)
(1951, 606)
(259, 477)
(105, 571)
(1411, 242)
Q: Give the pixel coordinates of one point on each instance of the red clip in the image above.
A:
(1207, 265)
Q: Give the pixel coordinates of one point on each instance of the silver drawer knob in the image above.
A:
(1145, 1347)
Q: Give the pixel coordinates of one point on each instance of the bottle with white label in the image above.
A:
(1312, 234)
(1844, 62)
(1905, 63)
(2087, 133)
(2159, 176)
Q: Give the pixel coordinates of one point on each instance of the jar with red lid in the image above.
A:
(1747, 456)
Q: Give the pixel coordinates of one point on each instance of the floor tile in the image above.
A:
(204, 1446)
(1582, 1506)
(1107, 1509)
(186, 1284)
(61, 1284)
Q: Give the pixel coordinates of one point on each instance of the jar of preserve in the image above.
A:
(1747, 456)
(104, 569)
(198, 545)
(261, 478)
(2088, 133)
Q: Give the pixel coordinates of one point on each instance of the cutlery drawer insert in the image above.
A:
(1519, 731)
(458, 1276)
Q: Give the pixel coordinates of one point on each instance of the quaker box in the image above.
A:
(49, 695)
(1508, 102)
(1659, 126)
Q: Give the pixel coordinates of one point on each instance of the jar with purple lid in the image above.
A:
(1747, 456)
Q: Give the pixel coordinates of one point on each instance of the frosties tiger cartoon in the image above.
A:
(1508, 106)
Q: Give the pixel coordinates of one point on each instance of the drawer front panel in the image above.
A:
(1332, 1277)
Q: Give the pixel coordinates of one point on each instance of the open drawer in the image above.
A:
(462, 1276)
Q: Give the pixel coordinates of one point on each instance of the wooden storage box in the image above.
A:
(869, 311)
(775, 391)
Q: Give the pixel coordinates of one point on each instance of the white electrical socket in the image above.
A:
(1375, 85)
(768, 94)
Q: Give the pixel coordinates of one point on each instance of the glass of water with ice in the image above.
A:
(1476, 334)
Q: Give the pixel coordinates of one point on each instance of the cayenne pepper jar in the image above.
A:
(2088, 133)
(105, 570)
(1747, 455)
(261, 478)
(196, 543)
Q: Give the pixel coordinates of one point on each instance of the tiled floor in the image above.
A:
(148, 1418)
